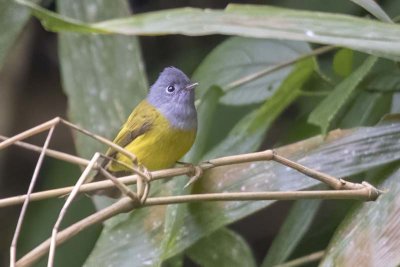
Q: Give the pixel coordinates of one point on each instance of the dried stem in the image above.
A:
(362, 191)
(303, 260)
(125, 190)
(51, 153)
(67, 203)
(94, 186)
(271, 69)
(125, 204)
(167, 173)
(100, 139)
(28, 133)
(266, 71)
(320, 176)
(13, 247)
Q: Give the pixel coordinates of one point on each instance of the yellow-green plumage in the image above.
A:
(151, 137)
(159, 131)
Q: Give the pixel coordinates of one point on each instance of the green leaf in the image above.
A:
(239, 58)
(370, 233)
(53, 21)
(326, 112)
(12, 19)
(248, 133)
(343, 62)
(205, 111)
(134, 239)
(385, 81)
(330, 214)
(176, 261)
(249, 21)
(372, 7)
(367, 109)
(295, 226)
(103, 76)
(222, 248)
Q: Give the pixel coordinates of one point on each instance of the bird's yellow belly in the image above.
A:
(159, 148)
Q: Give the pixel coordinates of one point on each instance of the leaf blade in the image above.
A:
(324, 114)
(250, 21)
(295, 226)
(222, 248)
(238, 58)
(373, 8)
(370, 233)
(13, 17)
(247, 134)
(103, 79)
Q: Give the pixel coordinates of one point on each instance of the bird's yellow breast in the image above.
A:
(158, 148)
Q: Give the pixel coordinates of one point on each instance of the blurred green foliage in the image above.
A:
(242, 100)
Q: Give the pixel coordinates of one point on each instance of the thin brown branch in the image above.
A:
(90, 187)
(353, 191)
(167, 173)
(125, 204)
(51, 153)
(320, 176)
(101, 139)
(45, 126)
(269, 70)
(13, 247)
(63, 211)
(303, 260)
(359, 194)
(28, 133)
(125, 190)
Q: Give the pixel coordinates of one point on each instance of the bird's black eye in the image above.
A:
(170, 89)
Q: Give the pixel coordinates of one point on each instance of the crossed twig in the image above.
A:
(142, 177)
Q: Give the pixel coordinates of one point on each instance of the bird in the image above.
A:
(160, 130)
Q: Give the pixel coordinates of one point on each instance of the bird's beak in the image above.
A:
(191, 86)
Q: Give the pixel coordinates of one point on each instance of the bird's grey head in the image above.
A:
(173, 95)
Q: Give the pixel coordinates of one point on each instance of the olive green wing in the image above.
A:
(139, 122)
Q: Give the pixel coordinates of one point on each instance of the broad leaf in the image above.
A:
(370, 234)
(103, 76)
(385, 81)
(248, 133)
(328, 109)
(222, 248)
(12, 19)
(206, 111)
(238, 59)
(134, 239)
(245, 20)
(373, 7)
(367, 109)
(296, 224)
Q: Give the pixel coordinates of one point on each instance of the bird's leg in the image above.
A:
(195, 172)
